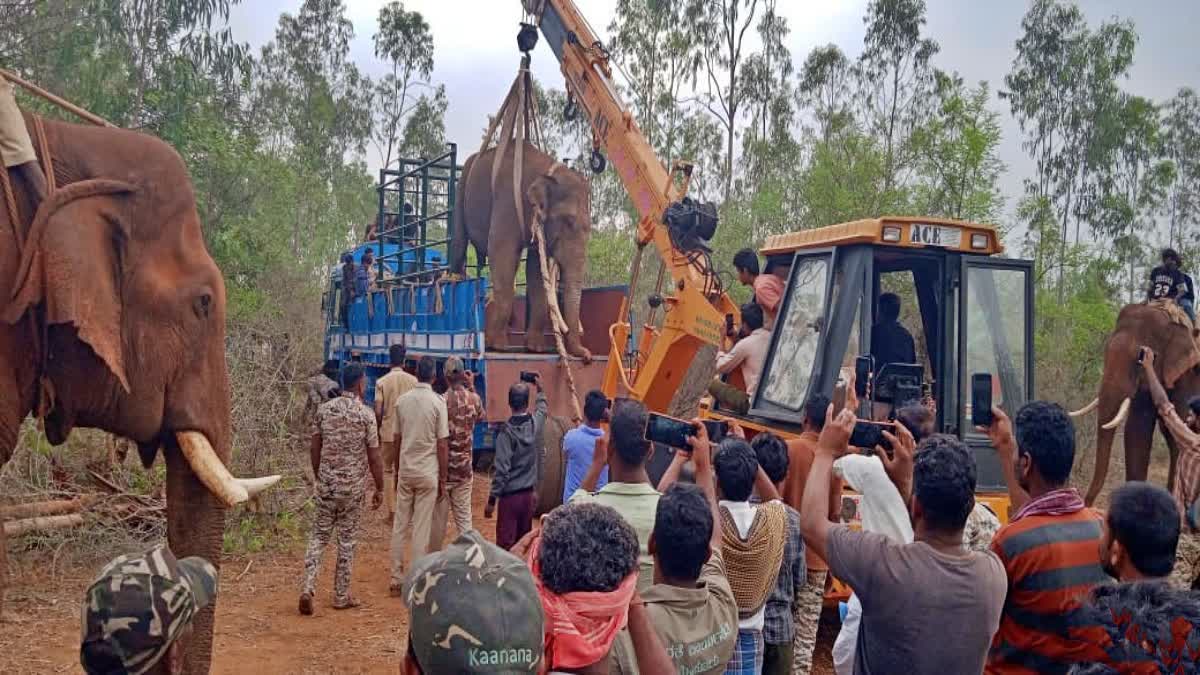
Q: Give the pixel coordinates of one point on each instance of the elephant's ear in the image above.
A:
(72, 263)
(539, 194)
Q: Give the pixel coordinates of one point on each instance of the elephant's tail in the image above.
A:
(458, 223)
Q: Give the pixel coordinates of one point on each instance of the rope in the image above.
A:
(39, 327)
(10, 201)
(550, 282)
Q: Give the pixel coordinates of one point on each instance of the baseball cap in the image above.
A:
(474, 609)
(454, 366)
(138, 606)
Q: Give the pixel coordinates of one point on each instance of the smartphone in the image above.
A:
(717, 429)
(981, 399)
(528, 376)
(1141, 355)
(864, 366)
(868, 435)
(669, 431)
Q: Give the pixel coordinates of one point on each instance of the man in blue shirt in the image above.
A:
(580, 443)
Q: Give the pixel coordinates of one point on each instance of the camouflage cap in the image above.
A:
(454, 366)
(474, 609)
(138, 606)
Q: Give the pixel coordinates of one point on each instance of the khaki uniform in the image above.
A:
(16, 148)
(347, 429)
(464, 409)
(697, 626)
(421, 422)
(388, 390)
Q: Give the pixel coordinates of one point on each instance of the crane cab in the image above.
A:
(969, 311)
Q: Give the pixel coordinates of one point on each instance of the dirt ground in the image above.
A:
(258, 627)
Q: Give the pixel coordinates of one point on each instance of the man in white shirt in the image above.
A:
(748, 355)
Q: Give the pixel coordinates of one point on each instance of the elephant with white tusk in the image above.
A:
(112, 315)
(1124, 400)
(485, 215)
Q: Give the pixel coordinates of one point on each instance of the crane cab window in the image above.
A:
(797, 335)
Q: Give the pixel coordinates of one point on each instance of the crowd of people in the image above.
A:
(722, 565)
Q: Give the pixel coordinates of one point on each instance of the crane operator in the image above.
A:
(890, 343)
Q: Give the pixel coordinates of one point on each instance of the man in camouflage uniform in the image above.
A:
(138, 608)
(323, 386)
(345, 443)
(464, 409)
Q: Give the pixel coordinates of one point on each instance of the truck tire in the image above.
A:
(553, 468)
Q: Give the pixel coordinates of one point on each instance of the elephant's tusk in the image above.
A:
(214, 475)
(1122, 414)
(1087, 408)
(256, 485)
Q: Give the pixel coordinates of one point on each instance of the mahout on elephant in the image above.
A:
(485, 215)
(1124, 397)
(113, 317)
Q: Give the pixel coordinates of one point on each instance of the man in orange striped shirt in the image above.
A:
(1050, 548)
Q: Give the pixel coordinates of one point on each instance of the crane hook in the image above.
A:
(598, 162)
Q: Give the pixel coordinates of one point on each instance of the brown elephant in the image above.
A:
(114, 318)
(488, 220)
(1124, 397)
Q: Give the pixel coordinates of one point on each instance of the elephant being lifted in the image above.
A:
(1124, 397)
(488, 219)
(113, 313)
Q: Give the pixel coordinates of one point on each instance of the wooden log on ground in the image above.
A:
(47, 508)
(16, 528)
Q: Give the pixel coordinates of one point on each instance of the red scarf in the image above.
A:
(580, 627)
(1061, 502)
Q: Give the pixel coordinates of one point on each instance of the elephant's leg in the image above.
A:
(505, 254)
(16, 396)
(539, 306)
(1139, 437)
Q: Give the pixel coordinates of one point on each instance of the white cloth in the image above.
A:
(883, 511)
(750, 353)
(882, 508)
(743, 516)
(843, 646)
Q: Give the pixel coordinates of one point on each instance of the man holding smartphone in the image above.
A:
(579, 444)
(518, 469)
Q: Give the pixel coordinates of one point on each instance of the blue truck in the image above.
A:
(416, 304)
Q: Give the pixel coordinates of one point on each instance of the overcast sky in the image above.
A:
(476, 56)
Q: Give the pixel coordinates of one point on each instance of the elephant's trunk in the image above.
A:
(573, 277)
(195, 527)
(1118, 386)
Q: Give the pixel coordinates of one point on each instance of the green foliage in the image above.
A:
(956, 150)
(406, 43)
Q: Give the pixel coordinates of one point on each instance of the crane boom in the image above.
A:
(695, 315)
